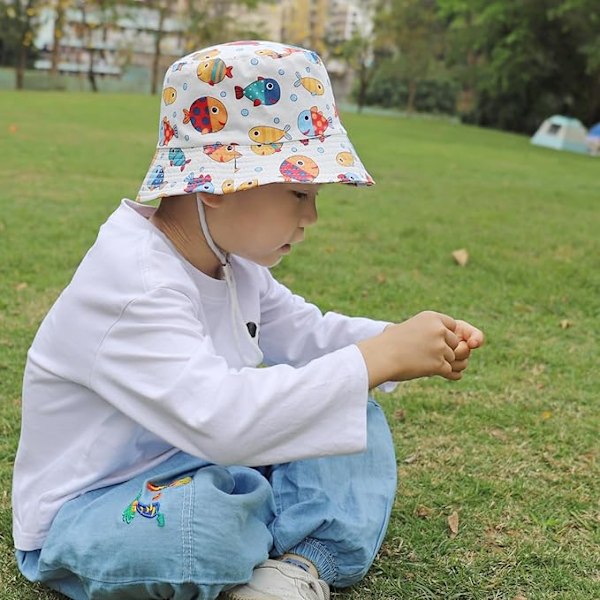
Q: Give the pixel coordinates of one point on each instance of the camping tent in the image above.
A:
(562, 133)
(593, 139)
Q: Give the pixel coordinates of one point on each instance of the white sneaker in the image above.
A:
(278, 580)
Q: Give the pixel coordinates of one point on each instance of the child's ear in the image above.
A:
(211, 200)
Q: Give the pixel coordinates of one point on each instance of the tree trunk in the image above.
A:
(59, 20)
(156, 58)
(412, 94)
(25, 43)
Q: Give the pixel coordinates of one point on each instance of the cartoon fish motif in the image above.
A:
(169, 95)
(265, 134)
(246, 185)
(348, 177)
(311, 84)
(177, 66)
(273, 54)
(266, 149)
(167, 132)
(213, 71)
(206, 114)
(222, 153)
(313, 123)
(227, 186)
(177, 158)
(156, 178)
(205, 55)
(346, 159)
(262, 91)
(299, 168)
(202, 183)
(313, 57)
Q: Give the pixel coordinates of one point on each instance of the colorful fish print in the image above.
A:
(311, 84)
(202, 183)
(313, 57)
(262, 91)
(299, 168)
(169, 95)
(348, 177)
(167, 132)
(156, 178)
(273, 54)
(177, 158)
(205, 55)
(221, 153)
(246, 185)
(206, 114)
(227, 187)
(346, 159)
(266, 149)
(178, 66)
(213, 71)
(264, 134)
(313, 123)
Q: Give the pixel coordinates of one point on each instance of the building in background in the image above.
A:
(120, 43)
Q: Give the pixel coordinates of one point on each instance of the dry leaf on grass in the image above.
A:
(400, 415)
(565, 324)
(461, 256)
(20, 286)
(423, 512)
(453, 524)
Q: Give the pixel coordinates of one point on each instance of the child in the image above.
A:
(157, 460)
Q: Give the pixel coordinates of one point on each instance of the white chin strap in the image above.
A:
(247, 345)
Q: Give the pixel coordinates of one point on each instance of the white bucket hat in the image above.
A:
(248, 113)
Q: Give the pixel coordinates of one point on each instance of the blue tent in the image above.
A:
(593, 139)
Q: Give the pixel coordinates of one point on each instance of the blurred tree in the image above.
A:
(19, 22)
(358, 54)
(211, 22)
(413, 34)
(519, 61)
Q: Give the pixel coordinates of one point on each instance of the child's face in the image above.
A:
(262, 223)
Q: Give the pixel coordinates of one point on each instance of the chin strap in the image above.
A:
(237, 322)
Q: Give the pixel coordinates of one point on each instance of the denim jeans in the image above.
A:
(189, 529)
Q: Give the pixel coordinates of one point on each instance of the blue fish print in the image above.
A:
(262, 91)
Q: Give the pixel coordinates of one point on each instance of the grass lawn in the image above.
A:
(512, 450)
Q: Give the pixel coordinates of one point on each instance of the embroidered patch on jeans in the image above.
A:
(150, 507)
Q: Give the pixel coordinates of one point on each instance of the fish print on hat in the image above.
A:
(262, 91)
(206, 114)
(213, 71)
(313, 123)
(267, 135)
(299, 168)
(177, 158)
(248, 113)
(167, 132)
(221, 153)
(312, 85)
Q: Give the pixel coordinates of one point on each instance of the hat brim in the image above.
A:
(221, 169)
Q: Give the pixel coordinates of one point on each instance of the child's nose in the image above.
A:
(309, 212)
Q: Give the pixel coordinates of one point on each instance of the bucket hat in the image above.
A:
(248, 113)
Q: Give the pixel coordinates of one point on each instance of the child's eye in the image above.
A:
(301, 195)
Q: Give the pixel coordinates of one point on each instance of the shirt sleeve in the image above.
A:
(295, 332)
(158, 366)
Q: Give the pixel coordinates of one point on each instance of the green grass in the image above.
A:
(512, 448)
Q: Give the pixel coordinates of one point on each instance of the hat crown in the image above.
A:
(245, 93)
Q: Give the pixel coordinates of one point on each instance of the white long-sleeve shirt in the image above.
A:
(137, 359)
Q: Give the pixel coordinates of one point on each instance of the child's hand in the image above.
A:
(430, 343)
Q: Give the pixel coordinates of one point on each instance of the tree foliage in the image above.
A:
(513, 62)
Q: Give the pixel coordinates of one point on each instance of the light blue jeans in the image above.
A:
(189, 529)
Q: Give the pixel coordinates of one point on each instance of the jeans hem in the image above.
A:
(319, 555)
